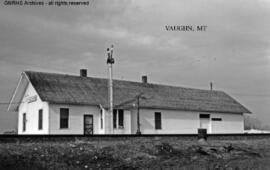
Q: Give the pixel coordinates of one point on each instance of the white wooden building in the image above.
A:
(50, 103)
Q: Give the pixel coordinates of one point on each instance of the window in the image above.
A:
(24, 122)
(216, 119)
(64, 114)
(118, 118)
(101, 119)
(114, 118)
(40, 119)
(157, 120)
(121, 118)
(204, 115)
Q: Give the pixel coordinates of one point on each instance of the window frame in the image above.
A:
(121, 119)
(216, 119)
(101, 119)
(158, 120)
(64, 118)
(204, 116)
(118, 121)
(24, 122)
(114, 118)
(40, 119)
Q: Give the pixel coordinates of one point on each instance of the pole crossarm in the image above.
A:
(134, 99)
(124, 103)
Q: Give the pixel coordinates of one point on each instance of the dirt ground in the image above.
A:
(137, 154)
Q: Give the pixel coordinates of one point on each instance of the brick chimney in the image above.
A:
(144, 79)
(83, 72)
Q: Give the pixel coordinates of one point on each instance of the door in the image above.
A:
(205, 122)
(88, 125)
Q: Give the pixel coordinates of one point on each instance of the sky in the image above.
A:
(233, 52)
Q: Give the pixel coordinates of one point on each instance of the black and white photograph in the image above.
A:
(134, 84)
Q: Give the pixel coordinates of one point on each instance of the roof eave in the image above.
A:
(188, 110)
(20, 82)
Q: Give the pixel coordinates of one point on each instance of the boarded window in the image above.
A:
(40, 119)
(216, 119)
(24, 122)
(101, 119)
(204, 115)
(157, 120)
(114, 118)
(121, 118)
(64, 116)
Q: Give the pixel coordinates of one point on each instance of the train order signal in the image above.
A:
(110, 59)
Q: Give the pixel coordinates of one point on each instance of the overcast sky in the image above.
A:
(233, 52)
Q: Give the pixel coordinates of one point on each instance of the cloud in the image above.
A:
(233, 52)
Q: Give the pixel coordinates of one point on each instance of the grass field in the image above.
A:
(136, 153)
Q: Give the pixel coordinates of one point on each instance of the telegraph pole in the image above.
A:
(110, 62)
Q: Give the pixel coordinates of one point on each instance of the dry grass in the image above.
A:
(137, 154)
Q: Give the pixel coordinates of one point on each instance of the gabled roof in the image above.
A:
(69, 89)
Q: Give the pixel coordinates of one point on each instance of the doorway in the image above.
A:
(88, 125)
(205, 122)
